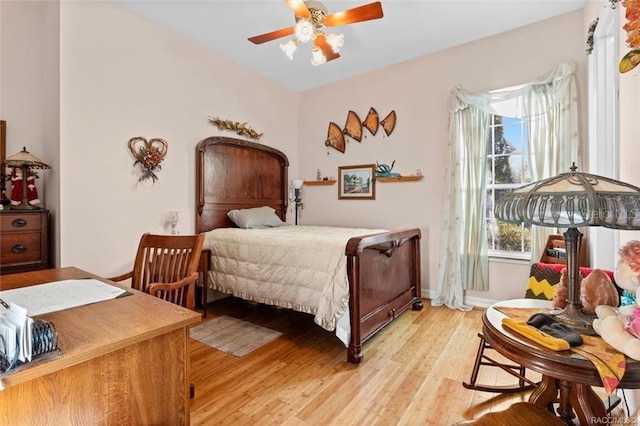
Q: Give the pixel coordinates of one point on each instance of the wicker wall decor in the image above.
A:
(242, 129)
(149, 154)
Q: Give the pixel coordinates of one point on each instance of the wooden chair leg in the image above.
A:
(517, 371)
(476, 364)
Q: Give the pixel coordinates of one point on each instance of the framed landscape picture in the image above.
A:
(357, 182)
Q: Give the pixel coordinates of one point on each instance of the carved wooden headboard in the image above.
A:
(237, 174)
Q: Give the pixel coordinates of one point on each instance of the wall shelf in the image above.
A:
(399, 178)
(319, 182)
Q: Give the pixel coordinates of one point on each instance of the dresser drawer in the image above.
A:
(20, 222)
(20, 248)
(24, 240)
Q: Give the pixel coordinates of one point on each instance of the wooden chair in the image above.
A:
(520, 413)
(166, 267)
(541, 285)
(485, 359)
(542, 282)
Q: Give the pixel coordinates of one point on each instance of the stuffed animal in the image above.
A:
(620, 326)
(597, 289)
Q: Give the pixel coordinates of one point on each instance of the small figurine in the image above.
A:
(16, 187)
(384, 170)
(3, 192)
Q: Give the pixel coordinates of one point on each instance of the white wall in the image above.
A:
(629, 94)
(29, 98)
(418, 91)
(123, 77)
(120, 77)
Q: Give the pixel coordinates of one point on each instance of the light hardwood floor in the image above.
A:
(412, 373)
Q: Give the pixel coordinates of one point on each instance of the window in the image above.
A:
(507, 168)
(549, 108)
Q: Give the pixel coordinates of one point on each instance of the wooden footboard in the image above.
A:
(384, 280)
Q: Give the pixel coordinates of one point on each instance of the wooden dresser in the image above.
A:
(24, 240)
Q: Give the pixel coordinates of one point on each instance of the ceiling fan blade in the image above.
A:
(327, 50)
(299, 8)
(357, 14)
(263, 38)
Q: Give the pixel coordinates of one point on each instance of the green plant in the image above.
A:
(510, 236)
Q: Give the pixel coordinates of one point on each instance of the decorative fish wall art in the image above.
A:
(353, 128)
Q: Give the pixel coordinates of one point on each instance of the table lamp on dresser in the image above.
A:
(24, 161)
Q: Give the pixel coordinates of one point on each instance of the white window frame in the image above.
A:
(603, 121)
(504, 254)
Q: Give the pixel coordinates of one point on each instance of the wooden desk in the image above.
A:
(124, 361)
(565, 374)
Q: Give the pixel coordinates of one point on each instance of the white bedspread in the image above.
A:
(297, 267)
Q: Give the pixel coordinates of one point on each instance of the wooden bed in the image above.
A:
(383, 269)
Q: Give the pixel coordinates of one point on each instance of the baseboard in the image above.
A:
(476, 302)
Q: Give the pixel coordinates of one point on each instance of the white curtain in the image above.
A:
(549, 105)
(553, 138)
(464, 241)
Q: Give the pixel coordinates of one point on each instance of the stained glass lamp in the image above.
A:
(572, 200)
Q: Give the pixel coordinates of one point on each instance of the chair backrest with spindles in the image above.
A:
(162, 261)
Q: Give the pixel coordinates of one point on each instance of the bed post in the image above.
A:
(354, 352)
(418, 304)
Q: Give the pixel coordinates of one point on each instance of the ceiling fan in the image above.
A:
(311, 17)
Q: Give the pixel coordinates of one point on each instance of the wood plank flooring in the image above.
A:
(412, 373)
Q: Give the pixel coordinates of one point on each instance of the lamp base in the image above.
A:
(579, 321)
(22, 206)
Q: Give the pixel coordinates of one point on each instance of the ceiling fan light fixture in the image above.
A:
(311, 18)
(304, 30)
(289, 48)
(336, 42)
(317, 57)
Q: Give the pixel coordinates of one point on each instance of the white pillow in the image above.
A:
(259, 217)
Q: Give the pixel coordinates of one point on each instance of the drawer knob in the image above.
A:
(19, 248)
(19, 223)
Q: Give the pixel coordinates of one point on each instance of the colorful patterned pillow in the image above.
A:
(544, 277)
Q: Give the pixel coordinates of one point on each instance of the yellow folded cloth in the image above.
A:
(610, 363)
(548, 341)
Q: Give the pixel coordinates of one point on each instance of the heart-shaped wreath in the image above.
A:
(149, 154)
